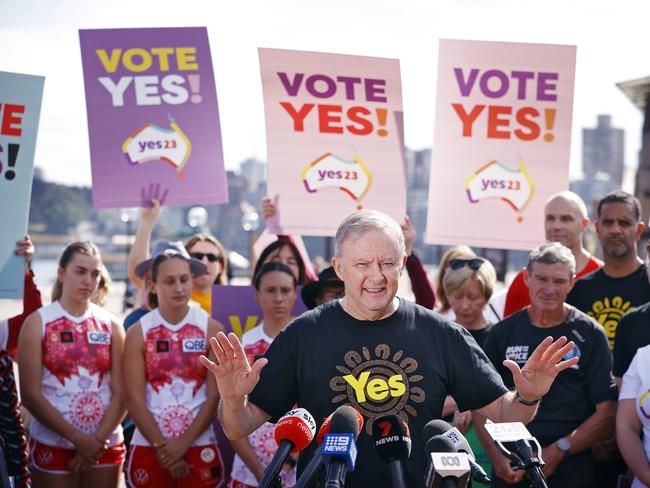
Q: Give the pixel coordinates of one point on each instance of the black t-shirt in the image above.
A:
(607, 299)
(481, 334)
(405, 364)
(575, 391)
(632, 333)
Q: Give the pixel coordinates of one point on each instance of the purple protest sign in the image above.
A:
(236, 308)
(153, 119)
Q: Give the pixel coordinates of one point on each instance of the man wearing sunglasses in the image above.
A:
(565, 220)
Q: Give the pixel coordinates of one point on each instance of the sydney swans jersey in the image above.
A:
(76, 371)
(176, 387)
(262, 441)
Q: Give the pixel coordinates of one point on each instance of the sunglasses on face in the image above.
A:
(213, 258)
(473, 264)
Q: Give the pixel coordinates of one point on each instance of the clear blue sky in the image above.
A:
(40, 37)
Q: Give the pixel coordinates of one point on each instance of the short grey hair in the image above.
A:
(365, 221)
(551, 253)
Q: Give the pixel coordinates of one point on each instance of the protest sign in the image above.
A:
(334, 142)
(20, 108)
(153, 119)
(502, 140)
(237, 309)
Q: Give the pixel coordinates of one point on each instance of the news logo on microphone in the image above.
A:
(340, 446)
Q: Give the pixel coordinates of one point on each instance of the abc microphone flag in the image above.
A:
(293, 433)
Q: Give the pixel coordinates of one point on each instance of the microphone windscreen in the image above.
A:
(345, 420)
(434, 428)
(297, 427)
(391, 436)
(324, 429)
(439, 443)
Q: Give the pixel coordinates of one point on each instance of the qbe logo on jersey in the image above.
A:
(194, 345)
(100, 337)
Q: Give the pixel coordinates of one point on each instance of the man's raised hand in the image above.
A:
(235, 377)
(534, 380)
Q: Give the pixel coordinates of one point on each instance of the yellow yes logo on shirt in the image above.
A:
(377, 381)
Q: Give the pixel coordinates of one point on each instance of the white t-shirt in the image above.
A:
(636, 386)
(255, 343)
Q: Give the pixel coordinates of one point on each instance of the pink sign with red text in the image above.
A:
(334, 138)
(502, 141)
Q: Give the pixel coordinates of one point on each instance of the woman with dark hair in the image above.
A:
(275, 291)
(168, 393)
(71, 379)
(283, 251)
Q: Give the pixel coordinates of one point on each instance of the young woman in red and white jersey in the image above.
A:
(275, 290)
(169, 394)
(71, 382)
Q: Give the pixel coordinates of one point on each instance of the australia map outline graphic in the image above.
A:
(332, 171)
(154, 143)
(495, 180)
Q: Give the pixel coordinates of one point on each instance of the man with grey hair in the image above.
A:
(579, 409)
(379, 353)
(565, 220)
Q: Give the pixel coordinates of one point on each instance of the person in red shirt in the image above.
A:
(565, 219)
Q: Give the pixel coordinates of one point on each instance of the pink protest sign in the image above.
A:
(502, 140)
(153, 119)
(333, 138)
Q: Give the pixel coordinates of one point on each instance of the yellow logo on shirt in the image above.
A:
(377, 388)
(378, 382)
(608, 312)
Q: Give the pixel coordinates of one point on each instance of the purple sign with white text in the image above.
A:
(153, 118)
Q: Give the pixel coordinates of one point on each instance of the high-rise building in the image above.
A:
(603, 151)
(637, 91)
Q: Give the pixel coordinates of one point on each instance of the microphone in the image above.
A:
(446, 467)
(339, 449)
(515, 442)
(293, 433)
(440, 427)
(316, 461)
(392, 439)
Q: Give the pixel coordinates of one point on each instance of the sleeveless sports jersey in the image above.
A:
(176, 387)
(255, 343)
(76, 371)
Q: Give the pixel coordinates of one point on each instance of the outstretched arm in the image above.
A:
(532, 382)
(235, 380)
(140, 250)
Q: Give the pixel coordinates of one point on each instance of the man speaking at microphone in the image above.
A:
(378, 353)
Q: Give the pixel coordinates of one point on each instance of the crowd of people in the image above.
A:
(565, 348)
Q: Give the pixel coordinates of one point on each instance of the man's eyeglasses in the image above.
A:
(213, 258)
(473, 264)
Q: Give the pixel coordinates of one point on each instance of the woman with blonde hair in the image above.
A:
(71, 380)
(203, 247)
(442, 303)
